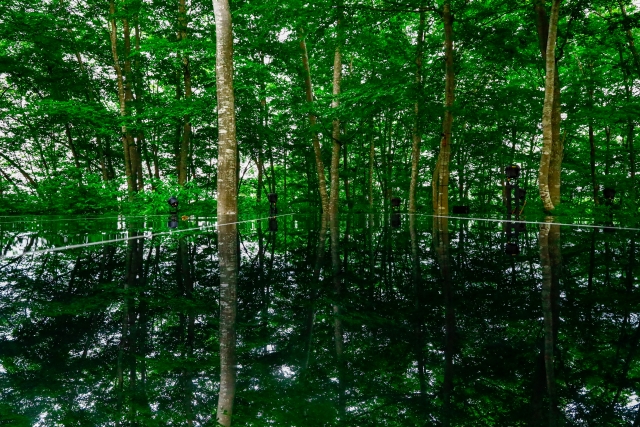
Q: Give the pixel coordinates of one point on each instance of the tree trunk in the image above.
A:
(557, 148)
(592, 157)
(134, 152)
(228, 254)
(607, 157)
(186, 133)
(322, 182)
(544, 182)
(227, 144)
(546, 263)
(632, 162)
(259, 165)
(121, 99)
(335, 134)
(139, 106)
(372, 153)
(440, 182)
(416, 137)
(345, 168)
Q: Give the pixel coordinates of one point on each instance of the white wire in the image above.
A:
(102, 242)
(527, 222)
(36, 219)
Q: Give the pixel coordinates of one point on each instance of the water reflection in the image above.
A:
(325, 322)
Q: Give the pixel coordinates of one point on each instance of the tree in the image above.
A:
(227, 144)
(544, 174)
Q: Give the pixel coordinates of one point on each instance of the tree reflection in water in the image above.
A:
(416, 325)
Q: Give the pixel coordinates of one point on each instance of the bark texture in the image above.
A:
(440, 182)
(416, 138)
(227, 144)
(228, 253)
(322, 181)
(186, 132)
(545, 179)
(126, 137)
(335, 133)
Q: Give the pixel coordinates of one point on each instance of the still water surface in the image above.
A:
(369, 321)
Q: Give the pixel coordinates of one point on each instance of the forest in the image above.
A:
(337, 105)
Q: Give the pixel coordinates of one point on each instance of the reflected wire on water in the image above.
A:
(526, 222)
(143, 236)
(75, 219)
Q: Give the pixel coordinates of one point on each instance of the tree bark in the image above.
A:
(227, 144)
(322, 181)
(121, 99)
(372, 153)
(592, 158)
(134, 151)
(186, 133)
(557, 147)
(335, 134)
(548, 265)
(440, 182)
(228, 253)
(416, 137)
(544, 181)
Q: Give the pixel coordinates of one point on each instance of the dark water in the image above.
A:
(356, 323)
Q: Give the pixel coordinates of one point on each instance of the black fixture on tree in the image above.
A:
(273, 199)
(173, 202)
(512, 171)
(173, 221)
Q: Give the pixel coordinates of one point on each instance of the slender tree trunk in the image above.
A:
(227, 144)
(121, 98)
(372, 153)
(607, 158)
(228, 253)
(592, 157)
(547, 112)
(134, 152)
(547, 264)
(259, 165)
(338, 334)
(139, 106)
(632, 162)
(186, 133)
(335, 134)
(557, 147)
(440, 182)
(322, 182)
(416, 137)
(441, 246)
(101, 155)
(345, 168)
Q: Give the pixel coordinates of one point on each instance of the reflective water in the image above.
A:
(372, 320)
